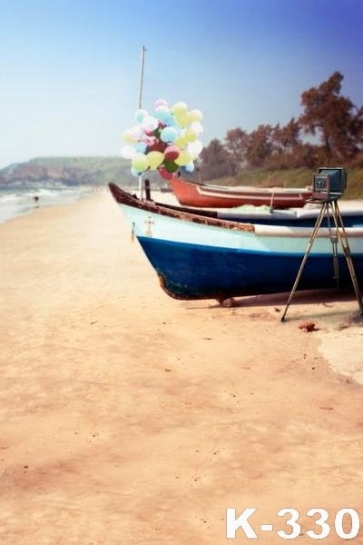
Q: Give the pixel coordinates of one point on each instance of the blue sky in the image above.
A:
(70, 70)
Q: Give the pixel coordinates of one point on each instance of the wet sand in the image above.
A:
(131, 418)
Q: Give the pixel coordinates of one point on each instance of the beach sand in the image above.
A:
(129, 418)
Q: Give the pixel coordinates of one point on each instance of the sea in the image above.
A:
(15, 202)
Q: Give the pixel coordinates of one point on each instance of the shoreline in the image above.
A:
(18, 202)
(127, 415)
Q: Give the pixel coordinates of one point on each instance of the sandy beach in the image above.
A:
(129, 418)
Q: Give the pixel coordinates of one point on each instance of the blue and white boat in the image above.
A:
(200, 257)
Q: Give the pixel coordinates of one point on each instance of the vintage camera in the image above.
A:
(329, 183)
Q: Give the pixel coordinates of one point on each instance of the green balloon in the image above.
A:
(171, 166)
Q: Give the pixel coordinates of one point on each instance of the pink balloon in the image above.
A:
(171, 153)
(160, 102)
(165, 174)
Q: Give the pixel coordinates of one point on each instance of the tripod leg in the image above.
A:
(342, 235)
(300, 271)
(334, 241)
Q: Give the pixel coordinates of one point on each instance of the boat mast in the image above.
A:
(142, 75)
(141, 184)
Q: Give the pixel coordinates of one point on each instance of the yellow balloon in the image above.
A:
(190, 135)
(181, 118)
(178, 108)
(140, 162)
(183, 159)
(188, 118)
(181, 142)
(155, 158)
(196, 115)
(127, 137)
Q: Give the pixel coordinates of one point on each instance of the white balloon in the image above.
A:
(149, 123)
(197, 127)
(128, 152)
(195, 147)
(136, 132)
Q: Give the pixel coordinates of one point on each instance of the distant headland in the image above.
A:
(67, 171)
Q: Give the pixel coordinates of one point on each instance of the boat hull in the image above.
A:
(208, 196)
(190, 271)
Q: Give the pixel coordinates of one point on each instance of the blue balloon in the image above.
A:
(164, 115)
(140, 114)
(169, 134)
(141, 147)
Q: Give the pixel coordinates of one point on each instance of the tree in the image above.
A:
(259, 146)
(237, 145)
(216, 161)
(285, 139)
(333, 118)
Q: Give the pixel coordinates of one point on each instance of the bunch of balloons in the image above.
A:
(165, 140)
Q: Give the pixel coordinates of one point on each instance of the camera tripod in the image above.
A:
(339, 235)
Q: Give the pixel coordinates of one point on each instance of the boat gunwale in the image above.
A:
(237, 191)
(123, 197)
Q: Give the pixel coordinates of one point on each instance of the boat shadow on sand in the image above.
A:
(332, 302)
